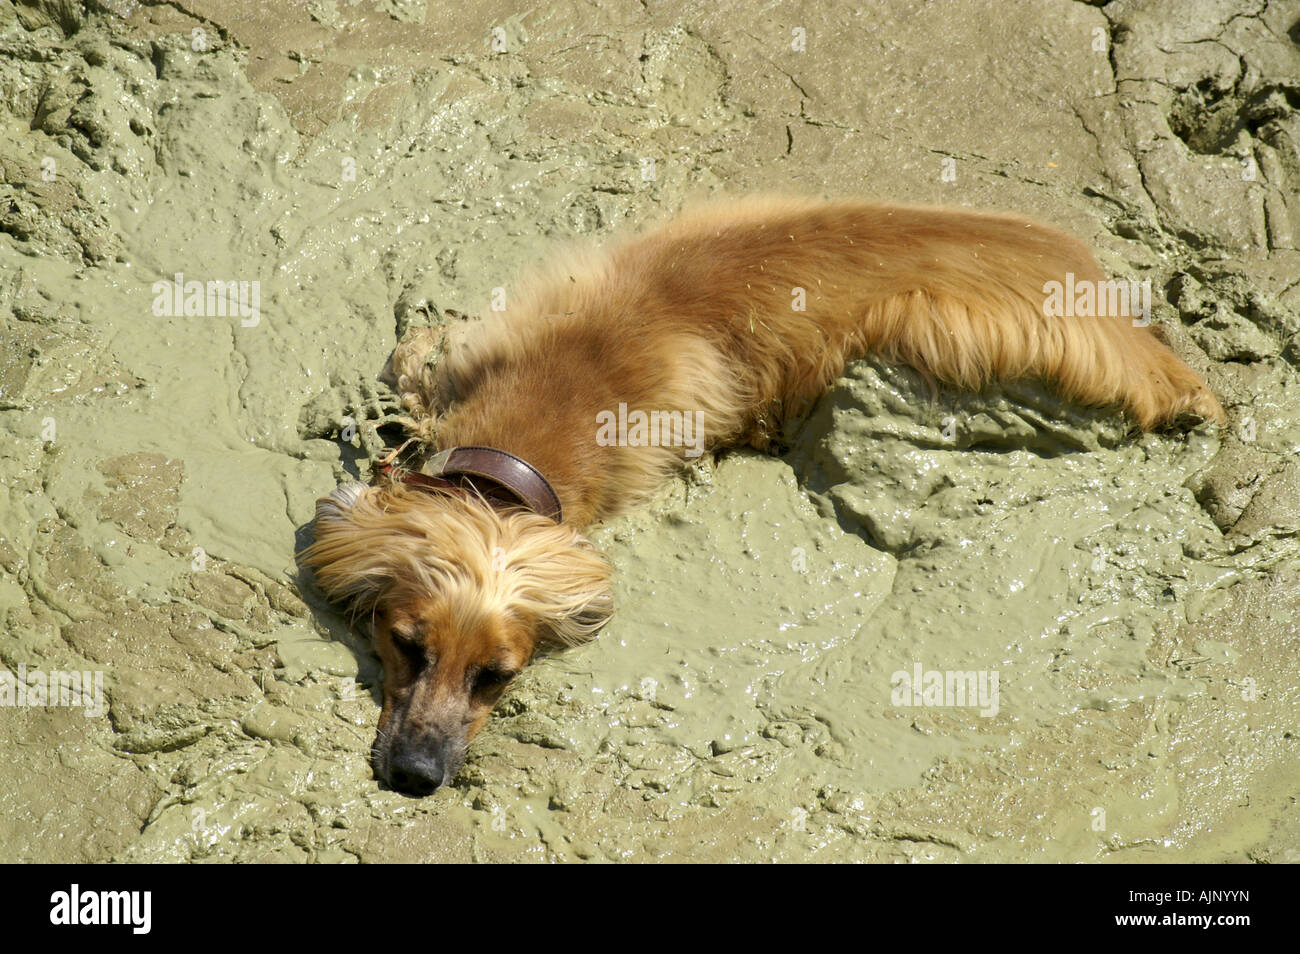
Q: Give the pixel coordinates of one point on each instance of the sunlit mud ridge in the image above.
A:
(781, 680)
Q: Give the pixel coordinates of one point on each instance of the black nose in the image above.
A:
(416, 773)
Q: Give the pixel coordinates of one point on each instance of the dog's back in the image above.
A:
(746, 311)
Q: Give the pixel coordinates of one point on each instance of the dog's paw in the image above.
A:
(1192, 410)
(411, 373)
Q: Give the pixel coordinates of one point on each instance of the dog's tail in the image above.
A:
(791, 290)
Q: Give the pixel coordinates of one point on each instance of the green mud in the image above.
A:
(1136, 595)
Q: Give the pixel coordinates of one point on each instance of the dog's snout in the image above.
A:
(417, 773)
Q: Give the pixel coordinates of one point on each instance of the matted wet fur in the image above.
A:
(700, 315)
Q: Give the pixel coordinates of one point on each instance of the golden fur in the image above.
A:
(696, 316)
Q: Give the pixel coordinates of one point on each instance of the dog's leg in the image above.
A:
(415, 379)
(791, 290)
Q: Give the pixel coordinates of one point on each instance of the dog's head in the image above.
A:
(460, 597)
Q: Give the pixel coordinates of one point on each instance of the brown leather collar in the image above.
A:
(498, 476)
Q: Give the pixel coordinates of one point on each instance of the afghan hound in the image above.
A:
(607, 371)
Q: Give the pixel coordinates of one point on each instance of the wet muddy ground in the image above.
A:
(373, 165)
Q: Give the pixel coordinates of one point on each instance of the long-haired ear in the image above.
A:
(337, 555)
(568, 586)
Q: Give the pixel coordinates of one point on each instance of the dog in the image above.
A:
(736, 317)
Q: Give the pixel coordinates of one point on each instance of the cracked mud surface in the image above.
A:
(374, 165)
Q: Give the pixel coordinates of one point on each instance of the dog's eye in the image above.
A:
(490, 680)
(409, 645)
